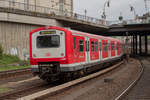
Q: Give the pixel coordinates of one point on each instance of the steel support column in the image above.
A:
(146, 44)
(133, 44)
(136, 44)
(140, 44)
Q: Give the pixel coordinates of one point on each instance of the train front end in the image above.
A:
(47, 51)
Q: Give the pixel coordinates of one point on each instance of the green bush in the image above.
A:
(9, 59)
(1, 51)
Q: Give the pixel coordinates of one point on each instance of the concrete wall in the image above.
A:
(14, 32)
(14, 28)
(14, 38)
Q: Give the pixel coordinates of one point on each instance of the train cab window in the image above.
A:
(48, 41)
(100, 46)
(74, 43)
(92, 45)
(81, 45)
(96, 46)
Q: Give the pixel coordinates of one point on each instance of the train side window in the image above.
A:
(92, 45)
(104, 46)
(112, 46)
(95, 46)
(86, 45)
(100, 46)
(81, 45)
(74, 43)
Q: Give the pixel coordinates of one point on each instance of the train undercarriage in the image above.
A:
(50, 71)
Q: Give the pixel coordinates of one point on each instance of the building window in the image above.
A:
(81, 45)
(61, 1)
(26, 4)
(12, 3)
(61, 5)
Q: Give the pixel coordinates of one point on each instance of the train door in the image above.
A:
(109, 49)
(100, 49)
(81, 49)
(112, 48)
(87, 50)
(118, 52)
(116, 48)
(75, 49)
(105, 49)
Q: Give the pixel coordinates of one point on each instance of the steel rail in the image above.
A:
(14, 73)
(69, 84)
(125, 92)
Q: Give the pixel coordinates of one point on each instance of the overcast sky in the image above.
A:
(95, 8)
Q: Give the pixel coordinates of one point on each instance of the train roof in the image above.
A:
(93, 35)
(74, 32)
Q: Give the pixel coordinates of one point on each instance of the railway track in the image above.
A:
(42, 91)
(14, 73)
(56, 89)
(124, 94)
(13, 95)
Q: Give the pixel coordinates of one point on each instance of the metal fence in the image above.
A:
(128, 22)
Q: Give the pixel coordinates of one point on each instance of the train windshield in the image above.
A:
(48, 41)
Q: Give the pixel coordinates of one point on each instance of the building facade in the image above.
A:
(15, 28)
(43, 6)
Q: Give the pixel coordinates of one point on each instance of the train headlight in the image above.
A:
(62, 54)
(34, 55)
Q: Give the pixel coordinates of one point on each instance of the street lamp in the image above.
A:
(120, 17)
(106, 4)
(85, 12)
(132, 9)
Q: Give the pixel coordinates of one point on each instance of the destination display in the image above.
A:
(48, 32)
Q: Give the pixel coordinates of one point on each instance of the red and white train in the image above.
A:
(59, 52)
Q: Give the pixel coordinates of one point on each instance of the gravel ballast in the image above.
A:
(105, 87)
